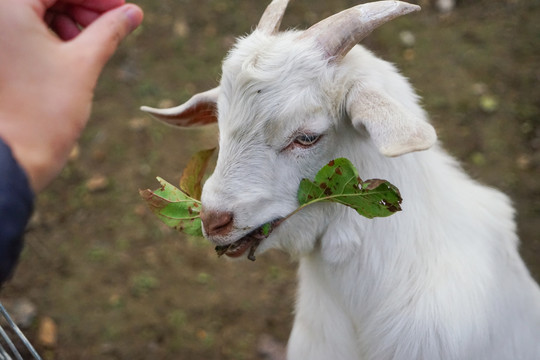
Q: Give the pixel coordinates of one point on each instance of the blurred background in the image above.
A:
(102, 278)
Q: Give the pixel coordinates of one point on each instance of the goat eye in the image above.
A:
(306, 139)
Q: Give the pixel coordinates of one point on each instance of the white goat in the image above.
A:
(440, 280)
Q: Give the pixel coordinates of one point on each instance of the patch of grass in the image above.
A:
(143, 284)
(98, 254)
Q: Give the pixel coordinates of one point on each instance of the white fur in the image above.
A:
(440, 280)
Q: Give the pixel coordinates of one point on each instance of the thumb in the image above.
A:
(101, 38)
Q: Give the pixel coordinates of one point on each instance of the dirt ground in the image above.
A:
(119, 285)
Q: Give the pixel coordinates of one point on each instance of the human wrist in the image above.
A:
(36, 162)
(10, 162)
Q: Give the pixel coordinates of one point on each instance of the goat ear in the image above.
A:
(200, 110)
(394, 129)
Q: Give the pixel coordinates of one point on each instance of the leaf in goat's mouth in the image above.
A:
(174, 208)
(338, 182)
(250, 241)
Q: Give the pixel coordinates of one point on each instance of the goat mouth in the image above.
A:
(250, 241)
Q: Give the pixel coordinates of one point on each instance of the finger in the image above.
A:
(64, 27)
(99, 40)
(83, 16)
(53, 11)
(95, 5)
(43, 6)
(79, 14)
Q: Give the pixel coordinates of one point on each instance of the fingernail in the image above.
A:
(134, 15)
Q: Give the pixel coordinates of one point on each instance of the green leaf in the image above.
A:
(174, 208)
(190, 182)
(266, 229)
(339, 182)
(180, 208)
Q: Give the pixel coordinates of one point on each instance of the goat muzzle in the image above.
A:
(217, 223)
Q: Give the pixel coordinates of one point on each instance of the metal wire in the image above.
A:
(4, 355)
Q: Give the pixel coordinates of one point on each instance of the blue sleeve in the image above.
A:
(16, 205)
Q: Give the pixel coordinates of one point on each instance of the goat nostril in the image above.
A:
(217, 222)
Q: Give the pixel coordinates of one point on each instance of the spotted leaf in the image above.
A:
(174, 208)
(338, 181)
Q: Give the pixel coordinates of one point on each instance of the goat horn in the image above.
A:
(339, 33)
(271, 19)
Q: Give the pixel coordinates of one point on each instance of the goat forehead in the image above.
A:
(258, 62)
(271, 101)
(270, 87)
(273, 52)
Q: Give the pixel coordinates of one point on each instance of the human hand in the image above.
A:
(47, 78)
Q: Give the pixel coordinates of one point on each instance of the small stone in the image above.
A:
(97, 183)
(138, 124)
(407, 38)
(99, 155)
(181, 29)
(409, 55)
(35, 221)
(165, 103)
(47, 332)
(445, 6)
(75, 152)
(115, 300)
(524, 162)
(201, 334)
(479, 88)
